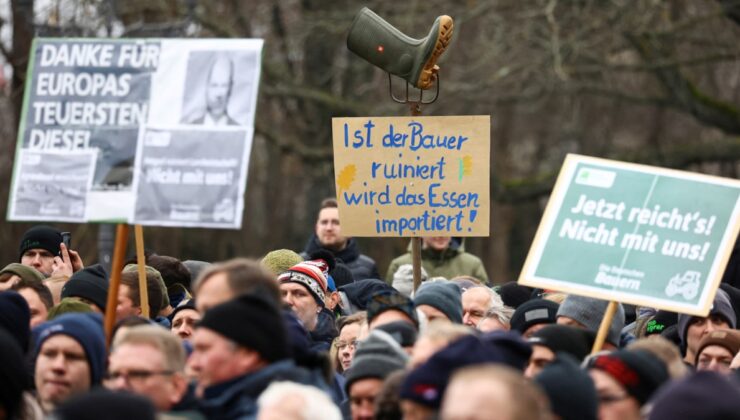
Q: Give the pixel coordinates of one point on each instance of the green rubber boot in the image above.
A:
(380, 43)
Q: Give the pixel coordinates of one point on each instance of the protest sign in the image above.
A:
(413, 176)
(635, 234)
(188, 182)
(53, 184)
(102, 94)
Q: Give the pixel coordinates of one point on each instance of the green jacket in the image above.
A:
(451, 262)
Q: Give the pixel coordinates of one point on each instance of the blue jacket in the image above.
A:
(237, 398)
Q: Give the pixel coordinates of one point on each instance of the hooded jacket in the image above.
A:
(451, 262)
(361, 266)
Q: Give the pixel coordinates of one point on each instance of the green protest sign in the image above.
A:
(635, 234)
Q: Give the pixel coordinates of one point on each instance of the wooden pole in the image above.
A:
(119, 252)
(141, 265)
(415, 108)
(416, 261)
(604, 327)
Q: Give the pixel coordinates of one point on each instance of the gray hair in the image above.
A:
(315, 404)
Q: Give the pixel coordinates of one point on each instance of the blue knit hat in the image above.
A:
(442, 295)
(86, 329)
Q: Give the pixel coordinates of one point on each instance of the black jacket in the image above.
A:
(361, 266)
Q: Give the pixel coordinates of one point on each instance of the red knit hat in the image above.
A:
(311, 274)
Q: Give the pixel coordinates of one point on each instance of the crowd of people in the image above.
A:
(319, 335)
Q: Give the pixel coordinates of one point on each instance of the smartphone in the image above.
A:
(66, 239)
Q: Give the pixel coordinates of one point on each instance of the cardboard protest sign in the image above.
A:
(101, 95)
(415, 176)
(635, 234)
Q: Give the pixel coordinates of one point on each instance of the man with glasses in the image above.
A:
(149, 361)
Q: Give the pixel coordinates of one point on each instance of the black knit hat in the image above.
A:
(253, 322)
(660, 322)
(42, 237)
(533, 312)
(513, 294)
(341, 274)
(570, 389)
(15, 317)
(90, 283)
(14, 378)
(703, 395)
(189, 304)
(390, 300)
(116, 406)
(563, 338)
(638, 371)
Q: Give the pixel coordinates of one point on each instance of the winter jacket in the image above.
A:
(449, 263)
(325, 332)
(361, 266)
(237, 398)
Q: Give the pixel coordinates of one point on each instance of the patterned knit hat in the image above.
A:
(312, 274)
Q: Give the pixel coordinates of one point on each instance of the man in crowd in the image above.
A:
(224, 281)
(476, 302)
(443, 256)
(149, 361)
(41, 248)
(89, 285)
(328, 236)
(70, 357)
(304, 288)
(38, 298)
(692, 329)
(376, 358)
(129, 296)
(184, 318)
(239, 348)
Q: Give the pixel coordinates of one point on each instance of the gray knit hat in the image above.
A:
(376, 357)
(442, 295)
(720, 306)
(589, 312)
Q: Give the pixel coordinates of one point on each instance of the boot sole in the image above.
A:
(429, 73)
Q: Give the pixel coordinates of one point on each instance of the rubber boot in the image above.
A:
(380, 43)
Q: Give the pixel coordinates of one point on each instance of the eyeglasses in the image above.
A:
(341, 345)
(136, 375)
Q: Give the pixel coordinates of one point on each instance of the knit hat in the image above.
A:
(401, 331)
(533, 312)
(116, 406)
(720, 306)
(570, 389)
(638, 371)
(86, 329)
(280, 260)
(68, 305)
(90, 283)
(442, 295)
(729, 339)
(24, 272)
(660, 322)
(427, 383)
(734, 294)
(251, 321)
(188, 304)
(157, 275)
(703, 395)
(513, 294)
(359, 293)
(15, 317)
(195, 267)
(41, 237)
(589, 312)
(403, 279)
(575, 341)
(311, 274)
(390, 300)
(342, 274)
(13, 375)
(376, 357)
